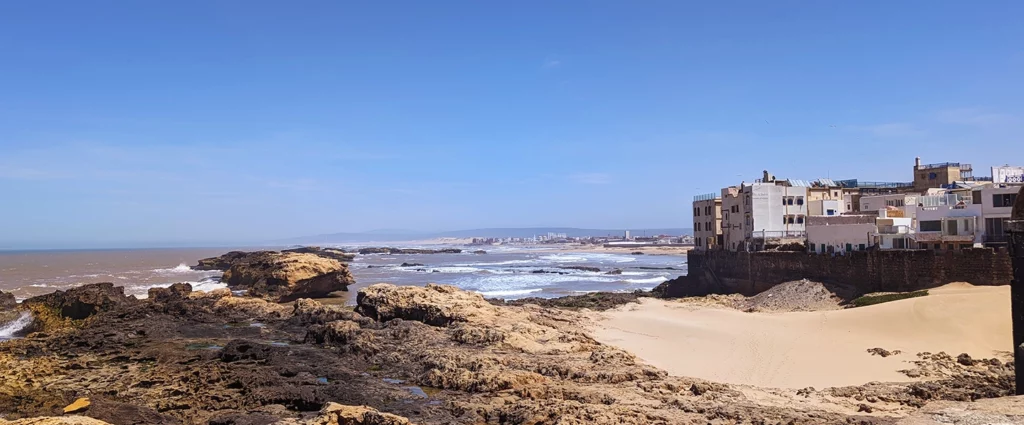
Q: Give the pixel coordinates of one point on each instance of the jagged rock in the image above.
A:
(251, 308)
(581, 268)
(7, 301)
(55, 310)
(411, 265)
(288, 276)
(437, 305)
(881, 352)
(224, 262)
(175, 292)
(64, 420)
(615, 272)
(333, 253)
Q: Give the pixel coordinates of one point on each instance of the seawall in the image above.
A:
(857, 273)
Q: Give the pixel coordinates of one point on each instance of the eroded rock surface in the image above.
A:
(288, 276)
(430, 355)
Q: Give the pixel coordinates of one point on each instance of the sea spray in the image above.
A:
(10, 330)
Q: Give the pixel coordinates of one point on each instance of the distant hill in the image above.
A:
(509, 232)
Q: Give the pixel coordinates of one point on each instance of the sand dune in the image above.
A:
(819, 349)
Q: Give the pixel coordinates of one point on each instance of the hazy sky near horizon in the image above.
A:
(224, 122)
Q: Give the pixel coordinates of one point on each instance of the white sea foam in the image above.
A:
(509, 293)
(8, 329)
(649, 281)
(180, 268)
(205, 285)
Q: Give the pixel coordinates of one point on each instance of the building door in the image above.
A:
(849, 247)
(951, 227)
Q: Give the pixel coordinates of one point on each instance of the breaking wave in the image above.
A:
(10, 329)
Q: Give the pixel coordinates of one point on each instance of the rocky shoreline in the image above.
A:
(426, 355)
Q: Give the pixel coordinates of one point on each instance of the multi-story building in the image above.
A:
(847, 233)
(939, 175)
(733, 235)
(996, 201)
(906, 202)
(707, 221)
(1007, 174)
(946, 222)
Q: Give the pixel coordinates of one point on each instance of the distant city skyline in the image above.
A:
(193, 122)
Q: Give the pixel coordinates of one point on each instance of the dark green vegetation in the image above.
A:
(878, 299)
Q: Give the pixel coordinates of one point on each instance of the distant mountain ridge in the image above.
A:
(497, 232)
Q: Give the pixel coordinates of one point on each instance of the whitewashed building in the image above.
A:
(996, 201)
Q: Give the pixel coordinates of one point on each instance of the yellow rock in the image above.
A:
(78, 406)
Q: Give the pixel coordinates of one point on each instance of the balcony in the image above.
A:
(997, 238)
(779, 234)
(895, 230)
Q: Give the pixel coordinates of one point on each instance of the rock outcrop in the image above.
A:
(333, 253)
(426, 355)
(63, 308)
(7, 301)
(288, 276)
(224, 262)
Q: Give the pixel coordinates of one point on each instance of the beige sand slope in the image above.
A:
(819, 349)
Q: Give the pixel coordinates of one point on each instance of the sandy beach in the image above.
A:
(818, 349)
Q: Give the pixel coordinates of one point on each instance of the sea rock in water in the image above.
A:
(335, 253)
(224, 262)
(79, 303)
(287, 276)
(581, 268)
(7, 301)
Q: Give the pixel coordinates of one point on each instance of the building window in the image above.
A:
(790, 219)
(799, 219)
(862, 247)
(849, 247)
(931, 226)
(1004, 200)
(976, 197)
(799, 200)
(830, 212)
(937, 246)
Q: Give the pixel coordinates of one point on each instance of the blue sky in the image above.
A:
(224, 122)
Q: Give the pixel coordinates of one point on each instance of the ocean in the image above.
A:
(504, 272)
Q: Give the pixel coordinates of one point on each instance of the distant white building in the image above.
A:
(1007, 174)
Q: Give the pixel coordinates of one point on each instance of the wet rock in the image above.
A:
(615, 272)
(224, 262)
(241, 349)
(288, 276)
(54, 310)
(582, 268)
(7, 301)
(479, 251)
(332, 253)
(411, 265)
